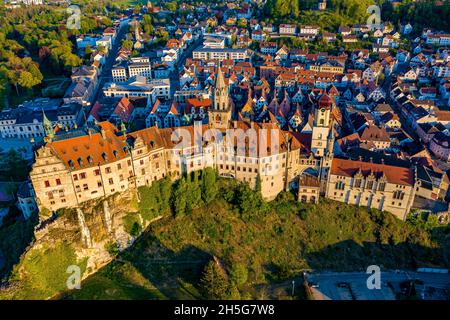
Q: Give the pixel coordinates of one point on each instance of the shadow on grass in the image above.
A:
(173, 273)
(14, 240)
(349, 255)
(146, 270)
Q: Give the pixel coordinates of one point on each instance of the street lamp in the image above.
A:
(293, 287)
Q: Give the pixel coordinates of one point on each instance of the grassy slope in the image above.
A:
(168, 259)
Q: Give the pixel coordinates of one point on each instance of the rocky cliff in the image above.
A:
(87, 237)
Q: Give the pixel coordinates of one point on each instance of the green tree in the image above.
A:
(14, 167)
(164, 187)
(214, 283)
(147, 24)
(127, 44)
(209, 185)
(258, 183)
(239, 273)
(171, 6)
(195, 192)
(233, 292)
(180, 197)
(242, 23)
(26, 80)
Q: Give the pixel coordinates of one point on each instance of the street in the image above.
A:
(175, 74)
(353, 285)
(105, 75)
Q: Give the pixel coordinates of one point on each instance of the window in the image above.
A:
(85, 187)
(399, 195)
(47, 183)
(58, 182)
(381, 186)
(99, 184)
(358, 183)
(96, 172)
(108, 170)
(111, 181)
(119, 166)
(340, 185)
(83, 175)
(75, 177)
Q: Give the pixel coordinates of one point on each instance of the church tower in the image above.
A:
(220, 112)
(48, 127)
(322, 124)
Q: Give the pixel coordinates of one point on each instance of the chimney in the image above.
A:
(371, 160)
(382, 160)
(103, 133)
(235, 124)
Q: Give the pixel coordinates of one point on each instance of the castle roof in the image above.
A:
(393, 174)
(91, 150)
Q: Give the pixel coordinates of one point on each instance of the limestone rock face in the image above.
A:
(90, 228)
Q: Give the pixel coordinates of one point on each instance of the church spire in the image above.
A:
(220, 113)
(220, 81)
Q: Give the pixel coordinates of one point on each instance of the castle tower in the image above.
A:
(321, 127)
(220, 113)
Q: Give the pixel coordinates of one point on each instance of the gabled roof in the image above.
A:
(90, 150)
(393, 174)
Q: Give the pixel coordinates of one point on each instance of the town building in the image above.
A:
(373, 185)
(220, 54)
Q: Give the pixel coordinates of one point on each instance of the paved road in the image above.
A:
(358, 284)
(105, 75)
(175, 75)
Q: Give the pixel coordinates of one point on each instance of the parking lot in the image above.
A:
(353, 285)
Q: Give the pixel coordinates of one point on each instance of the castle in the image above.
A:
(102, 159)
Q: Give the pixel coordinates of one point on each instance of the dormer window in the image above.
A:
(70, 162)
(116, 153)
(104, 156)
(80, 161)
(89, 158)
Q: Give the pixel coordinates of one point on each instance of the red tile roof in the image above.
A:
(91, 150)
(396, 175)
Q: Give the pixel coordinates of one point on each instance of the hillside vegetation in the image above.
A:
(259, 246)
